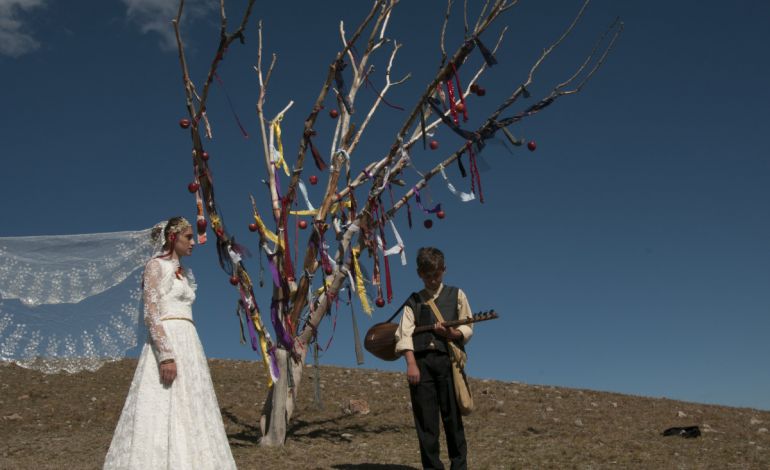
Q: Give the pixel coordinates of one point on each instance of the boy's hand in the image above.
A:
(449, 333)
(412, 371)
(412, 374)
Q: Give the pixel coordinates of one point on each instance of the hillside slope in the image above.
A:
(66, 421)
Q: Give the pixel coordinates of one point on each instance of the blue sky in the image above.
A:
(628, 253)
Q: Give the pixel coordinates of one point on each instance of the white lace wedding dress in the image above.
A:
(180, 426)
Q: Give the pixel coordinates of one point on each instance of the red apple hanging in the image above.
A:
(234, 280)
(252, 227)
(193, 187)
(380, 302)
(441, 214)
(334, 113)
(184, 123)
(302, 224)
(480, 91)
(428, 223)
(459, 107)
(205, 156)
(531, 145)
(328, 270)
(433, 144)
(313, 179)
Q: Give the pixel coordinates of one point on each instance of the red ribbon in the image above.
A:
(474, 171)
(450, 90)
(319, 162)
(460, 91)
(232, 108)
(388, 286)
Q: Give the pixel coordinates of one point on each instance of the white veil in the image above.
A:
(72, 302)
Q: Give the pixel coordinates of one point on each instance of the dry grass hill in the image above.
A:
(66, 421)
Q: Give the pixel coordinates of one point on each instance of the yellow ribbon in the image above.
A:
(360, 283)
(279, 146)
(264, 230)
(334, 208)
(263, 346)
(304, 212)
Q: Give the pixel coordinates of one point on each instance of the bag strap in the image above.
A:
(435, 309)
(457, 354)
(401, 307)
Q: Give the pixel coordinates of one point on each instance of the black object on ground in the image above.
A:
(686, 432)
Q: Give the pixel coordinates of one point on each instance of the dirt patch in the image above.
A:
(67, 421)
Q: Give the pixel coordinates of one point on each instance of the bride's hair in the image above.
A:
(174, 227)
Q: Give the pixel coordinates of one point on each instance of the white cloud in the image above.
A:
(15, 39)
(154, 16)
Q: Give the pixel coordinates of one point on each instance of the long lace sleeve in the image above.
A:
(153, 276)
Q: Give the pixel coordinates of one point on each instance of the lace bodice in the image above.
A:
(166, 296)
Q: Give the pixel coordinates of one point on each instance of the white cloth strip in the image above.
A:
(303, 190)
(464, 197)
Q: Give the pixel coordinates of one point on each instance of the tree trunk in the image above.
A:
(279, 405)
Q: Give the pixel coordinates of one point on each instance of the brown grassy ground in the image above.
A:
(66, 421)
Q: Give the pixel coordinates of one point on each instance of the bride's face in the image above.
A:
(184, 243)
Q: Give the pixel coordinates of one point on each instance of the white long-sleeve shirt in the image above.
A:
(407, 323)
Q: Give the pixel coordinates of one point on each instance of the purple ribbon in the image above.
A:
(284, 338)
(249, 323)
(419, 203)
(273, 362)
(274, 271)
(252, 333)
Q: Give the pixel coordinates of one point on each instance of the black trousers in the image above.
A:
(434, 396)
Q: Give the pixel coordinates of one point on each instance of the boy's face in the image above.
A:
(432, 279)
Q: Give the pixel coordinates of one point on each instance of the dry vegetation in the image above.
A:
(66, 421)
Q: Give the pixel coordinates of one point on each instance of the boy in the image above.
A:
(428, 366)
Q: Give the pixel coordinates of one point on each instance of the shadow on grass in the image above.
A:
(330, 429)
(250, 433)
(372, 466)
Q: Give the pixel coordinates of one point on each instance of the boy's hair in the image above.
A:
(430, 260)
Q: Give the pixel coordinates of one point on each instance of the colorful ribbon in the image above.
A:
(264, 231)
(450, 91)
(464, 197)
(460, 91)
(474, 171)
(435, 209)
(360, 287)
(232, 108)
(277, 149)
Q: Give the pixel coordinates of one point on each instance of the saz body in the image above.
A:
(380, 339)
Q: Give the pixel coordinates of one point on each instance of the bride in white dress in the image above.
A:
(171, 418)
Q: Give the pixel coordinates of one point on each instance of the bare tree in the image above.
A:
(356, 227)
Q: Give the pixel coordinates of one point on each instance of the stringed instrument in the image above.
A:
(380, 340)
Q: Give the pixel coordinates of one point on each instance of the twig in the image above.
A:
(224, 41)
(599, 63)
(263, 83)
(310, 120)
(417, 134)
(443, 30)
(380, 96)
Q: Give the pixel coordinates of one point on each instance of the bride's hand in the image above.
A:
(167, 372)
